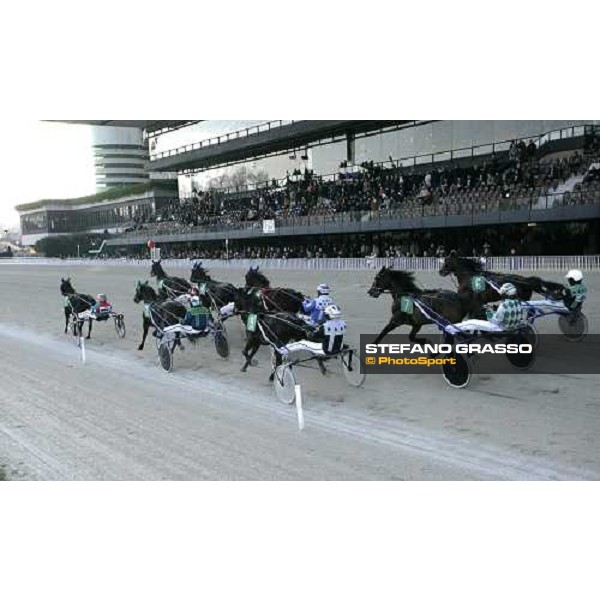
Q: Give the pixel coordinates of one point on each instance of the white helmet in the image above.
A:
(323, 289)
(101, 298)
(333, 312)
(575, 275)
(508, 289)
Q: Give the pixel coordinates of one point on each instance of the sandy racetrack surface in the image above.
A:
(120, 417)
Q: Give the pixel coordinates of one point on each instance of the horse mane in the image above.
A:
(469, 264)
(203, 272)
(404, 281)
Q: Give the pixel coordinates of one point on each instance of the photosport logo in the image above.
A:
(548, 354)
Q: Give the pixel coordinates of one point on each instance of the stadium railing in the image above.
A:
(531, 264)
(226, 137)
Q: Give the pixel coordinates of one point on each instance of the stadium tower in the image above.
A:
(120, 154)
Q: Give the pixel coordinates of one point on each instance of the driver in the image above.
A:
(511, 313)
(198, 317)
(102, 308)
(576, 290)
(316, 307)
(331, 332)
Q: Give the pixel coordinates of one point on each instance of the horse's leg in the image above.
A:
(89, 337)
(414, 332)
(252, 347)
(146, 325)
(391, 326)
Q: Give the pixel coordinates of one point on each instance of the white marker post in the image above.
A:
(299, 408)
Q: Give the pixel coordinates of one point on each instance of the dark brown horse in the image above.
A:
(485, 285)
(276, 299)
(401, 284)
(76, 304)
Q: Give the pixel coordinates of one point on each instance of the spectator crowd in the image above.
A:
(514, 180)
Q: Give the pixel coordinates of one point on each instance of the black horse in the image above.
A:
(157, 313)
(75, 304)
(272, 329)
(401, 284)
(173, 287)
(221, 294)
(486, 288)
(276, 299)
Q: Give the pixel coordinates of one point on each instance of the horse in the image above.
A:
(173, 287)
(449, 305)
(467, 271)
(221, 293)
(272, 329)
(157, 313)
(75, 304)
(276, 299)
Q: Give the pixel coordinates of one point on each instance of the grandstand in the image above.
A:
(356, 188)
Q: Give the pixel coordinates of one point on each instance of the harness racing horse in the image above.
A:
(485, 285)
(75, 304)
(221, 293)
(173, 287)
(271, 329)
(401, 284)
(157, 313)
(276, 299)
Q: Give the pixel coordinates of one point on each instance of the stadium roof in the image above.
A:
(149, 126)
(234, 147)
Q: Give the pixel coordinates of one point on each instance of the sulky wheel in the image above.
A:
(285, 384)
(165, 356)
(351, 367)
(574, 327)
(522, 361)
(531, 335)
(120, 326)
(221, 343)
(457, 375)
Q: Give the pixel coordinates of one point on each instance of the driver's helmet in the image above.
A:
(333, 312)
(508, 290)
(574, 276)
(101, 298)
(195, 301)
(323, 290)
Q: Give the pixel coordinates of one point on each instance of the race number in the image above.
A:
(251, 323)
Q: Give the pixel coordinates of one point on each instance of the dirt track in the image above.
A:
(120, 417)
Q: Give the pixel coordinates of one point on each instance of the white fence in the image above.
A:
(510, 263)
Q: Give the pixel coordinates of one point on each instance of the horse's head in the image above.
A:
(455, 265)
(157, 270)
(144, 293)
(255, 279)
(66, 288)
(199, 273)
(249, 300)
(381, 283)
